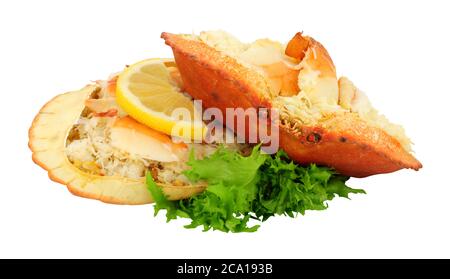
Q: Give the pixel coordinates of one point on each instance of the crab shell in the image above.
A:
(47, 141)
(346, 142)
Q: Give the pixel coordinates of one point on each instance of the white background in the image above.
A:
(398, 52)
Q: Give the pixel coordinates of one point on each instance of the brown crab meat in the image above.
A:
(347, 134)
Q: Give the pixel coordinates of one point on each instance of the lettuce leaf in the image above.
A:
(287, 189)
(258, 187)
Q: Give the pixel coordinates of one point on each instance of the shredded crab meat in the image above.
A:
(92, 152)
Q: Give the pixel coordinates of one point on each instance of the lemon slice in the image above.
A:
(147, 92)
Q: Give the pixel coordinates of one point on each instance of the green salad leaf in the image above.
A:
(258, 187)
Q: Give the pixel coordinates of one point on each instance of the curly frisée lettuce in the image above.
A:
(254, 187)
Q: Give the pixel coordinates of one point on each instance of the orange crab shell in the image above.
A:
(345, 143)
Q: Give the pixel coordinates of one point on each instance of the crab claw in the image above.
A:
(318, 124)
